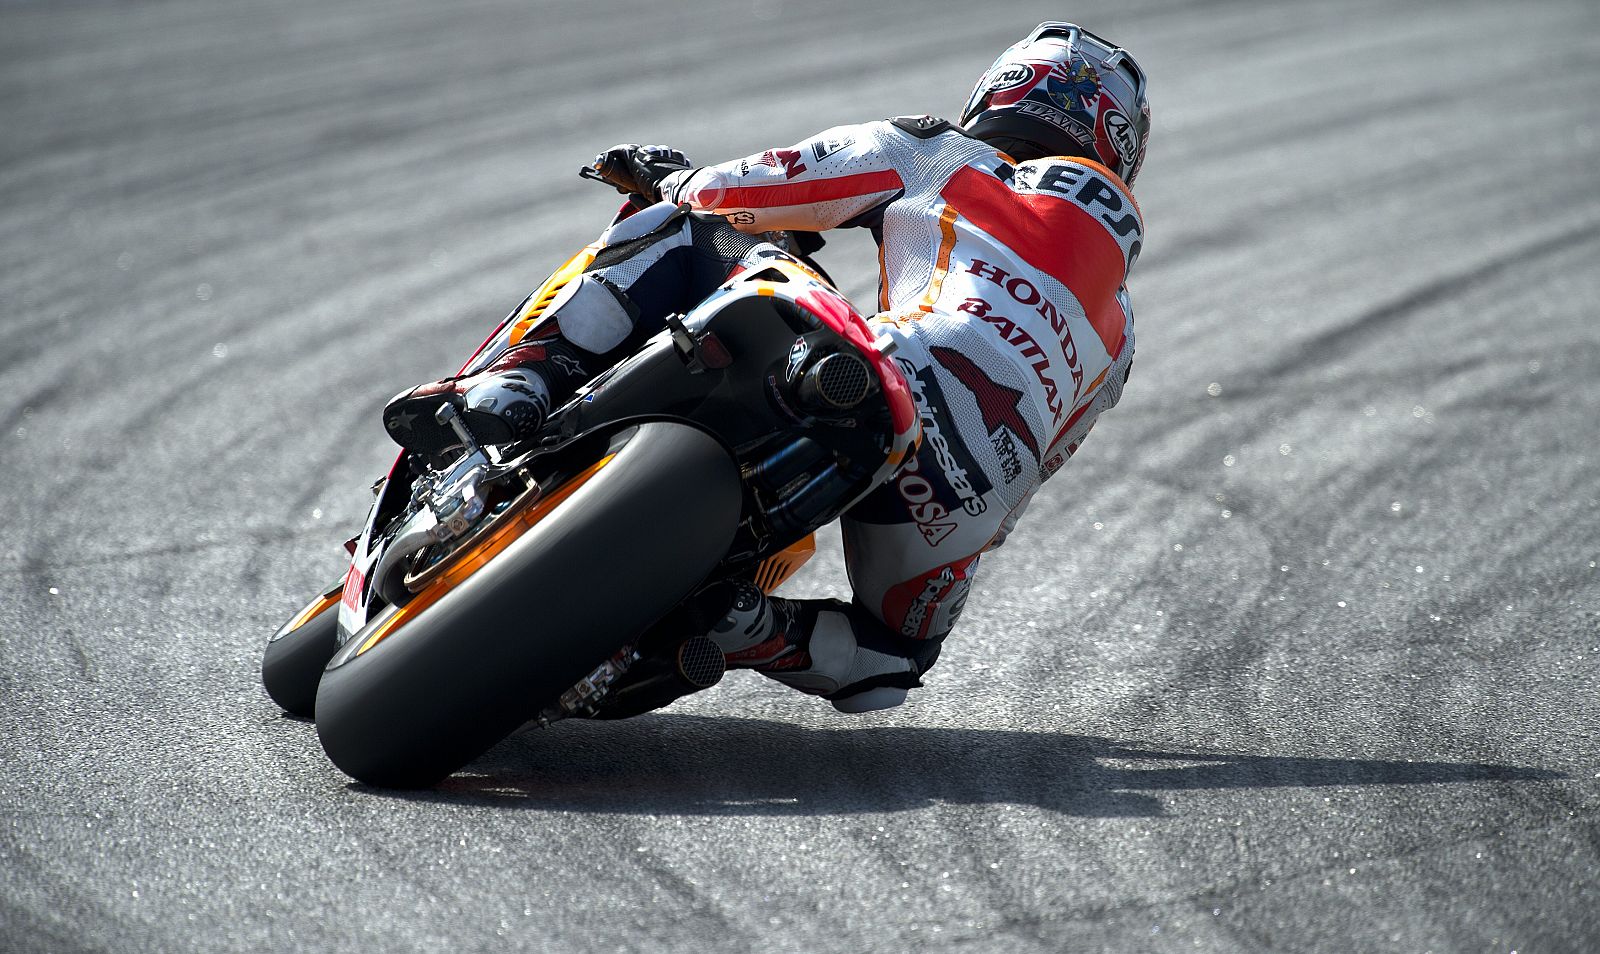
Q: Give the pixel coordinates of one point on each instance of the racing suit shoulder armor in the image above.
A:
(1036, 170)
(924, 127)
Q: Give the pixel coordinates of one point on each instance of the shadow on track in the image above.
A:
(670, 764)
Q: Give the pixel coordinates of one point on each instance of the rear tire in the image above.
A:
(614, 557)
(292, 665)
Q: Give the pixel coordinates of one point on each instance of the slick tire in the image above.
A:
(292, 665)
(621, 551)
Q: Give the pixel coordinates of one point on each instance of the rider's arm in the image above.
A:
(839, 175)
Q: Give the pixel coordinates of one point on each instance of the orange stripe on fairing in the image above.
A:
(783, 194)
(941, 262)
(549, 290)
(775, 569)
(1079, 252)
(474, 561)
(317, 607)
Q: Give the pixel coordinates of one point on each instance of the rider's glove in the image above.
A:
(637, 170)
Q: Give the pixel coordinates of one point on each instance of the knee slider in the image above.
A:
(848, 657)
(593, 314)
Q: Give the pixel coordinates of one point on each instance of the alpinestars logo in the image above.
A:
(934, 496)
(999, 406)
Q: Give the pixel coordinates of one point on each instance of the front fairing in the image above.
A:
(354, 603)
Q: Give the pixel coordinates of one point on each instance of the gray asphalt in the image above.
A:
(1297, 655)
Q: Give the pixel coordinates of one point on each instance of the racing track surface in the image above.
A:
(1297, 656)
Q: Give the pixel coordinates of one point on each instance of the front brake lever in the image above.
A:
(634, 203)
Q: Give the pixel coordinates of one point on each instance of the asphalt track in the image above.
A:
(1298, 655)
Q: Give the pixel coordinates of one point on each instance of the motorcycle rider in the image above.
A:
(1004, 245)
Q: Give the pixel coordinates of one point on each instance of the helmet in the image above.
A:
(1062, 91)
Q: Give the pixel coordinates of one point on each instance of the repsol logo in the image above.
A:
(1102, 199)
(354, 582)
(1025, 293)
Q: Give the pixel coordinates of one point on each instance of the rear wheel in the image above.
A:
(294, 659)
(489, 654)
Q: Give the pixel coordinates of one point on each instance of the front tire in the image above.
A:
(292, 665)
(610, 560)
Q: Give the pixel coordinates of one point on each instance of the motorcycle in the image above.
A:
(566, 576)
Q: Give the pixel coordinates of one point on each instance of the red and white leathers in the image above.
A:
(1003, 286)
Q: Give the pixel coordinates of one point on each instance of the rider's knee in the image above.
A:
(856, 662)
(593, 314)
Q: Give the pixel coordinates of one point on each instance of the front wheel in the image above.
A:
(405, 706)
(293, 662)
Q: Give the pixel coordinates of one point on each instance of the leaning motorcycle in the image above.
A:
(562, 576)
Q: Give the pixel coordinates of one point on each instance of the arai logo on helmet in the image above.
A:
(1120, 131)
(1010, 77)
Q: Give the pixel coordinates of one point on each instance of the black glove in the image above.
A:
(635, 169)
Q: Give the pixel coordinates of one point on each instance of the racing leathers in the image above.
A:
(1002, 285)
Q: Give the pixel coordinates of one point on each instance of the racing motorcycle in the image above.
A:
(567, 575)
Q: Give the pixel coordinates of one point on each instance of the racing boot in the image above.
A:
(507, 401)
(822, 647)
(585, 330)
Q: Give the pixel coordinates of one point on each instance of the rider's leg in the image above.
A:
(666, 262)
(910, 581)
(912, 546)
(841, 651)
